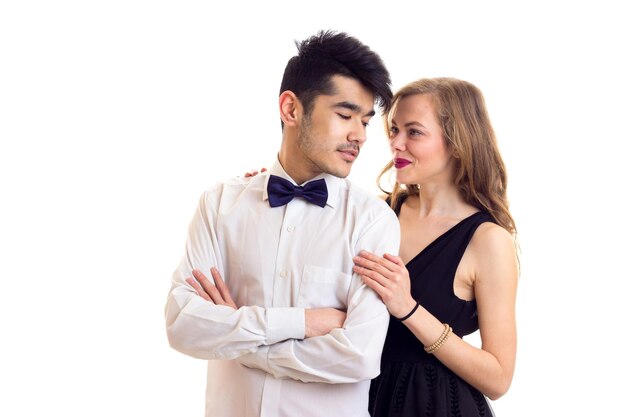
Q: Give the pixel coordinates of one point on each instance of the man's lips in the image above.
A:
(349, 154)
(400, 163)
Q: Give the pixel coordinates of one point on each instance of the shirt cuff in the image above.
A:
(284, 323)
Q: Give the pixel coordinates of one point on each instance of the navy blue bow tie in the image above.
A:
(282, 191)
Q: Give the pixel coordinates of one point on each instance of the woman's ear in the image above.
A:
(289, 107)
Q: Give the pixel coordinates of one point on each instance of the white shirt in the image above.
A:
(276, 263)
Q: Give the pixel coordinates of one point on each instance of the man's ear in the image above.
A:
(290, 108)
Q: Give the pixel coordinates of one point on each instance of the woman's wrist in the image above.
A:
(410, 313)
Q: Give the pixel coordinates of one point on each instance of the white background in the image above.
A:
(116, 115)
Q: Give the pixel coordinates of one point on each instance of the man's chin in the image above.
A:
(340, 168)
(343, 173)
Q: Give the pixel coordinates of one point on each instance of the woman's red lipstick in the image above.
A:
(400, 163)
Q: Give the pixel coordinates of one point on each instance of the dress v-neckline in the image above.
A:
(441, 236)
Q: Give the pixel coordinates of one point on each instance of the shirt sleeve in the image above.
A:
(345, 355)
(201, 329)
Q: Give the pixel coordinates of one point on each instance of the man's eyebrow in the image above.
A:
(353, 107)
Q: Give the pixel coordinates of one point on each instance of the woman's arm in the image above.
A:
(493, 265)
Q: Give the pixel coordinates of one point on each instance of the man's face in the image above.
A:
(331, 135)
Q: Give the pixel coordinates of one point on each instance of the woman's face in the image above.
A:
(417, 143)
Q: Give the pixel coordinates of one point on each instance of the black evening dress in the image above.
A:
(412, 382)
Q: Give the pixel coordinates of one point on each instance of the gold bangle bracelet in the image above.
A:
(442, 339)
(436, 348)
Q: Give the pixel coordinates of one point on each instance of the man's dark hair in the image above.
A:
(330, 53)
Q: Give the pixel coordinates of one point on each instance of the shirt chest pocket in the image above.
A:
(323, 287)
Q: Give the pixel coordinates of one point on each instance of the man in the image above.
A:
(302, 335)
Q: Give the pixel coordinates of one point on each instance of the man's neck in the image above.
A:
(290, 166)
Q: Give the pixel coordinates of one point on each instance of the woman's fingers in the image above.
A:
(388, 262)
(388, 277)
(371, 274)
(388, 271)
(371, 265)
(382, 292)
(253, 172)
(394, 259)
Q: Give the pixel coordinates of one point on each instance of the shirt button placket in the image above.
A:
(282, 285)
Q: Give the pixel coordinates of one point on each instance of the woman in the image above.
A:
(461, 262)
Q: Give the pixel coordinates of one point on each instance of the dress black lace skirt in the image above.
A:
(424, 389)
